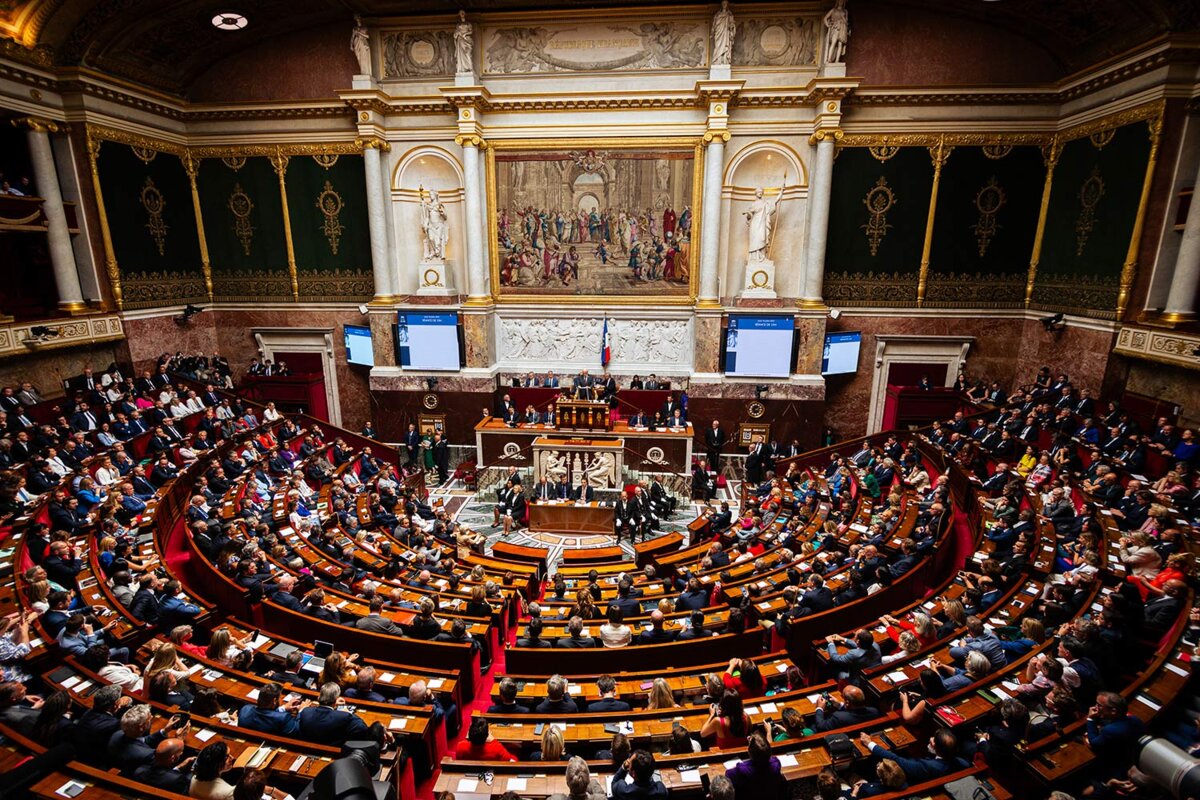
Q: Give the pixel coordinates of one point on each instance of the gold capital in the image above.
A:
(470, 140)
(837, 134)
(714, 136)
(40, 124)
(373, 143)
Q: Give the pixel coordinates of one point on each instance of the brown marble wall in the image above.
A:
(308, 65)
(1008, 350)
(229, 332)
(478, 339)
(930, 48)
(383, 338)
(707, 356)
(811, 331)
(48, 369)
(149, 338)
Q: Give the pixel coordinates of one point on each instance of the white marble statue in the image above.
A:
(555, 466)
(600, 472)
(360, 45)
(462, 44)
(723, 28)
(761, 219)
(434, 225)
(837, 33)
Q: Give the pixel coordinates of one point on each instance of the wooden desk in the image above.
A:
(492, 436)
(588, 415)
(568, 517)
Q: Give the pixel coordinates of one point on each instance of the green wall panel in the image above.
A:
(1093, 206)
(877, 264)
(153, 226)
(243, 227)
(327, 203)
(984, 227)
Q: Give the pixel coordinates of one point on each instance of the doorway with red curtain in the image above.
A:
(303, 391)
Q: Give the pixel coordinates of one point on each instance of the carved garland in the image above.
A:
(988, 201)
(240, 205)
(330, 204)
(1089, 197)
(879, 201)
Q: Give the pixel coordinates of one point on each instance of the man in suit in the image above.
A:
(662, 505)
(83, 419)
(268, 715)
(325, 723)
(583, 492)
(693, 598)
(1163, 611)
(756, 461)
(412, 441)
(669, 406)
(704, 487)
(714, 440)
(862, 653)
(639, 420)
(817, 597)
(441, 457)
(624, 518)
(133, 745)
(942, 760)
(609, 390)
(551, 382)
(507, 692)
(165, 772)
(609, 701)
(584, 385)
(544, 490)
(852, 712)
(575, 640)
(657, 634)
(557, 701)
(626, 600)
(99, 723)
(375, 622)
(507, 407)
(532, 417)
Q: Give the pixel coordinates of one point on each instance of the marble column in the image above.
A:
(710, 225)
(818, 219)
(1181, 302)
(478, 290)
(381, 264)
(62, 255)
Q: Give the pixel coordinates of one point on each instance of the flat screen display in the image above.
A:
(759, 347)
(359, 349)
(428, 341)
(841, 353)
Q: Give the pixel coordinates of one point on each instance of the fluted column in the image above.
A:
(478, 284)
(45, 175)
(381, 263)
(1181, 302)
(820, 189)
(710, 223)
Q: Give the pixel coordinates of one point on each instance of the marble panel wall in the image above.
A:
(47, 370)
(150, 337)
(1173, 384)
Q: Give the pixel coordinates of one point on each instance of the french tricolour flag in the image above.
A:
(605, 350)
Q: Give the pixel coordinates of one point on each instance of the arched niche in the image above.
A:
(420, 171)
(778, 169)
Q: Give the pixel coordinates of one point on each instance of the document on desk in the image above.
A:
(689, 776)
(788, 760)
(516, 784)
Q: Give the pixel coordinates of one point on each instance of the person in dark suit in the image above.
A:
(441, 457)
(545, 490)
(584, 385)
(669, 406)
(609, 701)
(507, 693)
(267, 715)
(290, 675)
(583, 492)
(375, 622)
(714, 440)
(609, 387)
(625, 516)
(703, 486)
(657, 634)
(575, 638)
(99, 723)
(163, 773)
(639, 420)
(133, 745)
(326, 724)
(817, 597)
(412, 442)
(756, 462)
(851, 712)
(557, 701)
(693, 598)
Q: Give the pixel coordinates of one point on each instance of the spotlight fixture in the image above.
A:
(189, 311)
(760, 391)
(1053, 324)
(431, 384)
(43, 332)
(834, 313)
(229, 21)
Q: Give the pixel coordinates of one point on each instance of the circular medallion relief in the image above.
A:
(759, 279)
(656, 455)
(422, 53)
(511, 449)
(430, 401)
(755, 409)
(773, 40)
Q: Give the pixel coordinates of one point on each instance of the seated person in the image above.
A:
(557, 701)
(480, 745)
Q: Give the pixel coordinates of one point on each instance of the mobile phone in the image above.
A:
(537, 729)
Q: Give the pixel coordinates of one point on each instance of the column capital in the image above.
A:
(835, 134)
(373, 143)
(471, 140)
(718, 136)
(41, 124)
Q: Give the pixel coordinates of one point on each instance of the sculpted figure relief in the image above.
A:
(723, 28)
(837, 33)
(360, 45)
(434, 226)
(761, 219)
(463, 35)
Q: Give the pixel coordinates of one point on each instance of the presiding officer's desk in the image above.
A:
(662, 450)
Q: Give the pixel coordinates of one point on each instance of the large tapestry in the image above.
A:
(594, 221)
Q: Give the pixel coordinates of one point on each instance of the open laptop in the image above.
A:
(316, 662)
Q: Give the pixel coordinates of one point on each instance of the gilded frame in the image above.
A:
(676, 142)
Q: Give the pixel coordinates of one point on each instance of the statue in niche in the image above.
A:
(556, 466)
(723, 28)
(837, 33)
(761, 219)
(360, 45)
(462, 44)
(599, 472)
(434, 226)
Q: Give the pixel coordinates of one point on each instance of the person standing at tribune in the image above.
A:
(441, 457)
(714, 440)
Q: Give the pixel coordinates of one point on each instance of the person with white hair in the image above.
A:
(580, 783)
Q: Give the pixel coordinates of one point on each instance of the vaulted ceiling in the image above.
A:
(167, 43)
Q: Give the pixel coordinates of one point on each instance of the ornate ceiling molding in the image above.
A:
(102, 133)
(1163, 347)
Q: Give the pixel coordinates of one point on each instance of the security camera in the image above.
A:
(1053, 324)
(834, 313)
(362, 308)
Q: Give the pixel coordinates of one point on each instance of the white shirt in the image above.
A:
(107, 475)
(271, 414)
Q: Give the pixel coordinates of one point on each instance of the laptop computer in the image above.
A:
(321, 651)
